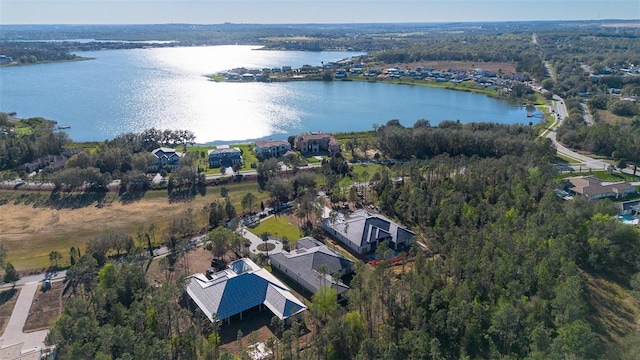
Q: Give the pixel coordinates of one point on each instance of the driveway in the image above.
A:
(255, 241)
(13, 335)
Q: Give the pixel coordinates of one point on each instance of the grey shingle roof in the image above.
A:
(302, 264)
(362, 227)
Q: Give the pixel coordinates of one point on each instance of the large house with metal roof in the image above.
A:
(243, 286)
(305, 265)
(362, 231)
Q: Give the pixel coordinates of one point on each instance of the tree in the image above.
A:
(324, 303)
(248, 200)
(54, 257)
(230, 210)
(236, 167)
(216, 214)
(10, 274)
(219, 241)
(3, 254)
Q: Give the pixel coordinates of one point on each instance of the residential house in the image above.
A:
(53, 162)
(592, 188)
(224, 156)
(166, 157)
(271, 148)
(305, 264)
(241, 287)
(629, 208)
(316, 142)
(363, 231)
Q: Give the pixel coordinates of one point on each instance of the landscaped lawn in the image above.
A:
(603, 175)
(280, 227)
(248, 157)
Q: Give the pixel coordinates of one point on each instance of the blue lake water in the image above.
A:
(130, 90)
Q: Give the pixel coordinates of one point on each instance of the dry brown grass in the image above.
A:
(8, 299)
(616, 311)
(46, 308)
(607, 117)
(31, 233)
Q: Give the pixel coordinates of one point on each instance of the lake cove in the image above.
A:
(130, 90)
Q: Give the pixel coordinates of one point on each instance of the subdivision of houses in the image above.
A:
(271, 148)
(241, 287)
(593, 188)
(225, 156)
(313, 265)
(363, 231)
(317, 142)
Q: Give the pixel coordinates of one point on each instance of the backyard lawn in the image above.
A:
(248, 157)
(278, 226)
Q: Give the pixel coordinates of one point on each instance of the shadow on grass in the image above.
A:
(6, 295)
(132, 196)
(59, 200)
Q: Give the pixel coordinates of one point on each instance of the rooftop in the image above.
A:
(306, 260)
(241, 287)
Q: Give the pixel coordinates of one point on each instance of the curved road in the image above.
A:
(560, 108)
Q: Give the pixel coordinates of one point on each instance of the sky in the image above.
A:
(308, 11)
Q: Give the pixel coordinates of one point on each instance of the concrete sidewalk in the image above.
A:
(255, 241)
(13, 336)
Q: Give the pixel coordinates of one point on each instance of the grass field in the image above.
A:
(602, 175)
(280, 227)
(248, 157)
(30, 233)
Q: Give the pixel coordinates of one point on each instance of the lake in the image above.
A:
(130, 90)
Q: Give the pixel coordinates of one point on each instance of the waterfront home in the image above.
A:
(248, 77)
(341, 73)
(166, 157)
(53, 162)
(271, 148)
(313, 265)
(593, 188)
(362, 231)
(224, 156)
(233, 76)
(241, 287)
(316, 142)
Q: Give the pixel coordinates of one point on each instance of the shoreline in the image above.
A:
(462, 86)
(16, 64)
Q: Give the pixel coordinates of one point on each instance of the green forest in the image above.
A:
(509, 270)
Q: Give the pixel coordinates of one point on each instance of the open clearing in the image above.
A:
(46, 308)
(30, 234)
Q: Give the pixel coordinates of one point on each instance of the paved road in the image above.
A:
(13, 333)
(584, 162)
(587, 114)
(560, 108)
